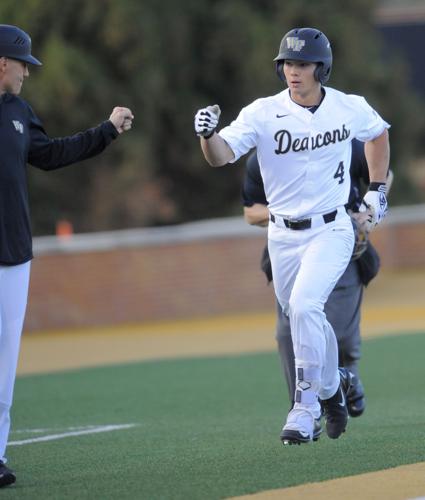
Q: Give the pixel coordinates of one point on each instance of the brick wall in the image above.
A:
(130, 285)
(76, 284)
(401, 245)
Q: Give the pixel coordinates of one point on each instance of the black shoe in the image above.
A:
(317, 429)
(335, 408)
(7, 477)
(356, 402)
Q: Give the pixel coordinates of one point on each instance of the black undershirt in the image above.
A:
(314, 108)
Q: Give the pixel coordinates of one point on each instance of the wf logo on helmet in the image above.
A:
(294, 43)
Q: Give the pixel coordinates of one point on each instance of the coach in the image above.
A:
(23, 139)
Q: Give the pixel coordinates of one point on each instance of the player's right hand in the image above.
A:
(206, 120)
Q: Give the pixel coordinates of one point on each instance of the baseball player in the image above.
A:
(343, 306)
(23, 139)
(303, 138)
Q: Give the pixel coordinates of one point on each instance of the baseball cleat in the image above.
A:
(7, 477)
(289, 437)
(356, 402)
(300, 427)
(297, 437)
(335, 408)
(317, 429)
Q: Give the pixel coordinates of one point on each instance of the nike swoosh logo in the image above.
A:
(304, 434)
(281, 116)
(342, 403)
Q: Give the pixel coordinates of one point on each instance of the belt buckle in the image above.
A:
(296, 224)
(292, 223)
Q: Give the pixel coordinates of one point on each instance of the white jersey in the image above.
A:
(304, 157)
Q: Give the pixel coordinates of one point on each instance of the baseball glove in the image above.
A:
(361, 239)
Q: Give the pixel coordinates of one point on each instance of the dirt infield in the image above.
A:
(401, 483)
(56, 351)
(394, 303)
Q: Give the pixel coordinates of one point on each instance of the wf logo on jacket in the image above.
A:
(18, 126)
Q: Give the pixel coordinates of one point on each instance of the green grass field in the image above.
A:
(205, 428)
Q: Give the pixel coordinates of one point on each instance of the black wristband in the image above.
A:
(378, 186)
(209, 135)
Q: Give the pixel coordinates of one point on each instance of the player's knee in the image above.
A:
(301, 309)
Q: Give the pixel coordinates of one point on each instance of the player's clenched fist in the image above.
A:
(122, 119)
(375, 199)
(206, 120)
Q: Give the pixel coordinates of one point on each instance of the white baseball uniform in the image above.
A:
(305, 159)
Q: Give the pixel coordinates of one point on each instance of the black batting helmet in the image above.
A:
(309, 45)
(16, 44)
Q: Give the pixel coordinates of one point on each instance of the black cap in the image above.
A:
(16, 44)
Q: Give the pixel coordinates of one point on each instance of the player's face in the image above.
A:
(13, 73)
(299, 76)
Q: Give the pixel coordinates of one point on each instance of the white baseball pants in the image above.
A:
(306, 265)
(14, 282)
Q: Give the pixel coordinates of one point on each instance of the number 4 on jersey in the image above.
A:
(339, 174)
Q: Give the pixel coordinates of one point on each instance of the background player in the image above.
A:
(22, 140)
(303, 138)
(343, 306)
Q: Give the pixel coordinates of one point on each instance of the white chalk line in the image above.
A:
(43, 431)
(80, 431)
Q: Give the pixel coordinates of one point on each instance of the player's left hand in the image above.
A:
(361, 233)
(376, 201)
(362, 218)
(122, 119)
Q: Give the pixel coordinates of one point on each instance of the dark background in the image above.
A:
(165, 60)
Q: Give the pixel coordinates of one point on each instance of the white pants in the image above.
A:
(306, 265)
(14, 281)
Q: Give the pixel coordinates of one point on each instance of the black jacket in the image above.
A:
(23, 140)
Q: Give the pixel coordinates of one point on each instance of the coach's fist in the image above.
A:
(122, 119)
(206, 120)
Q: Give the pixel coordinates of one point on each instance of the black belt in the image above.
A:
(305, 223)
